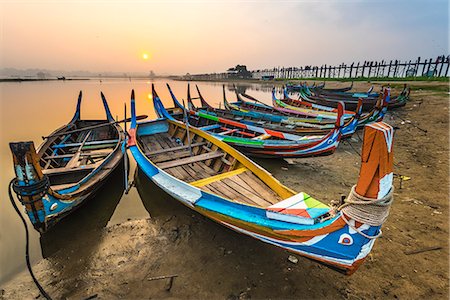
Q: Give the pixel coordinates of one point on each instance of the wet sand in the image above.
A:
(213, 262)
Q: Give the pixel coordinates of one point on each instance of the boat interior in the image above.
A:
(67, 158)
(193, 159)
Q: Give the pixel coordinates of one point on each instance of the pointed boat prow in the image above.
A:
(30, 184)
(376, 174)
(367, 206)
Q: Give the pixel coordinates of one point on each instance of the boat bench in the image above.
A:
(191, 159)
(183, 147)
(83, 154)
(93, 143)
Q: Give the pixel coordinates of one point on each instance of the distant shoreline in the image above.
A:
(35, 79)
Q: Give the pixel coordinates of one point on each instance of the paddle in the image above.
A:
(186, 121)
(141, 117)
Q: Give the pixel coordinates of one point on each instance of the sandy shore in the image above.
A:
(212, 262)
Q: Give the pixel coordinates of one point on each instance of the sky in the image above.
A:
(181, 37)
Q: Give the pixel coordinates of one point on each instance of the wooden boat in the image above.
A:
(254, 105)
(312, 109)
(300, 106)
(344, 89)
(219, 182)
(350, 102)
(264, 120)
(296, 87)
(68, 167)
(375, 115)
(325, 93)
(254, 140)
(367, 103)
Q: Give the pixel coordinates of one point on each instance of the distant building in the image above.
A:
(41, 75)
(239, 72)
(267, 77)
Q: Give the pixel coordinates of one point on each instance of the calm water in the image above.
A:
(30, 110)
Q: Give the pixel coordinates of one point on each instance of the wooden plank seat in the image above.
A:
(83, 154)
(191, 159)
(103, 142)
(183, 147)
(66, 170)
(208, 180)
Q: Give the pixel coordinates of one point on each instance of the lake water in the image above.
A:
(30, 110)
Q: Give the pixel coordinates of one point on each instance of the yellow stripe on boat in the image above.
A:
(206, 181)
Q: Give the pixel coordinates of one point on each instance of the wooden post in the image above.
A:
(424, 67)
(442, 65)
(448, 65)
(417, 67)
(357, 69)
(395, 68)
(317, 70)
(407, 68)
(438, 59)
(370, 69)
(363, 69)
(389, 70)
(383, 65)
(429, 66)
(351, 69)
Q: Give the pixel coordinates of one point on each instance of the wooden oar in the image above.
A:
(74, 160)
(141, 117)
(186, 120)
(125, 160)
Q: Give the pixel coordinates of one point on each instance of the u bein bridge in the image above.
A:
(438, 67)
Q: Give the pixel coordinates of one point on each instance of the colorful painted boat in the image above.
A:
(300, 105)
(344, 89)
(375, 115)
(265, 120)
(331, 100)
(254, 140)
(254, 105)
(219, 182)
(68, 168)
(324, 92)
(295, 87)
(315, 110)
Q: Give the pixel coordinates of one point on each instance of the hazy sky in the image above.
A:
(210, 36)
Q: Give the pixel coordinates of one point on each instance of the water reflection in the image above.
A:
(84, 226)
(158, 203)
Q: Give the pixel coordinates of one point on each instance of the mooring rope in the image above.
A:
(370, 211)
(27, 247)
(365, 210)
